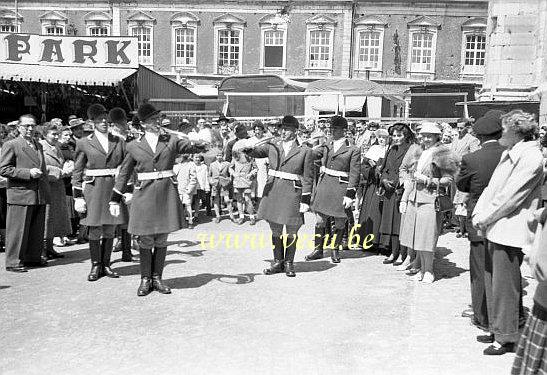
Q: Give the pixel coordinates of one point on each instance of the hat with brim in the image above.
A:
(94, 111)
(430, 128)
(221, 118)
(117, 115)
(290, 122)
(338, 122)
(75, 123)
(147, 111)
(489, 124)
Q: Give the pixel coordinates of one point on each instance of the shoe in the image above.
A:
(95, 272)
(145, 288)
(485, 339)
(467, 313)
(240, 221)
(39, 264)
(335, 256)
(388, 261)
(412, 271)
(190, 225)
(276, 267)
(417, 277)
(403, 266)
(428, 278)
(216, 220)
(459, 235)
(253, 221)
(498, 349)
(289, 269)
(314, 255)
(18, 269)
(52, 254)
(157, 284)
(108, 272)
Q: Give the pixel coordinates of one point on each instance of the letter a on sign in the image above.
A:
(52, 47)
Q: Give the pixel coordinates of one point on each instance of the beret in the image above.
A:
(488, 124)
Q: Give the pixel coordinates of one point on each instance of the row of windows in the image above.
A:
(369, 48)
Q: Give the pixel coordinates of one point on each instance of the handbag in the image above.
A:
(443, 202)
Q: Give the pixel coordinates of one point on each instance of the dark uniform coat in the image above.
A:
(330, 191)
(97, 190)
(281, 198)
(155, 207)
(57, 215)
(475, 173)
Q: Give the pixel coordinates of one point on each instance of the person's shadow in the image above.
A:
(197, 281)
(445, 269)
(134, 269)
(4, 287)
(183, 243)
(312, 266)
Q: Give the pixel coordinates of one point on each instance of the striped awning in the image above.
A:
(65, 75)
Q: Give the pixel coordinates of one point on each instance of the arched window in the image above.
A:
(184, 41)
(141, 25)
(228, 31)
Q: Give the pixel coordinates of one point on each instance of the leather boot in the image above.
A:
(106, 246)
(146, 263)
(50, 251)
(157, 271)
(335, 253)
(277, 265)
(126, 246)
(317, 252)
(145, 288)
(95, 254)
(290, 251)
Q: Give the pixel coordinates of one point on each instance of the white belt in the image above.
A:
(283, 175)
(333, 172)
(154, 175)
(100, 172)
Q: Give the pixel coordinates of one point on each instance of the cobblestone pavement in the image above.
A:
(224, 316)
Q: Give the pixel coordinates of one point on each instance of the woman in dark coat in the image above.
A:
(401, 140)
(371, 207)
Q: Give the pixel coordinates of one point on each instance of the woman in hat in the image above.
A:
(421, 227)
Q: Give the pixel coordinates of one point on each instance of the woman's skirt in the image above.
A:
(57, 218)
(421, 227)
(370, 214)
(531, 355)
(390, 223)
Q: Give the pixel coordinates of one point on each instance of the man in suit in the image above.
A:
(335, 191)
(501, 215)
(475, 173)
(287, 192)
(22, 163)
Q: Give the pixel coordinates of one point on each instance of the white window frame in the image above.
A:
(194, 29)
(321, 28)
(134, 27)
(9, 19)
(98, 20)
(91, 27)
(263, 31)
(143, 20)
(363, 25)
(472, 69)
(184, 20)
(53, 19)
(9, 25)
(422, 30)
(60, 27)
(217, 29)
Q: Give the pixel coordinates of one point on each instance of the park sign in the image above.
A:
(53, 50)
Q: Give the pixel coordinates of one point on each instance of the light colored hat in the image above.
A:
(381, 133)
(165, 121)
(430, 128)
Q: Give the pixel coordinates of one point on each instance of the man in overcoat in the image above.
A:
(475, 173)
(336, 188)
(155, 209)
(286, 194)
(97, 159)
(22, 163)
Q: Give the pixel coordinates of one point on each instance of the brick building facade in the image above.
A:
(402, 42)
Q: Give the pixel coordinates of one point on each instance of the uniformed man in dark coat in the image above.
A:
(155, 209)
(287, 192)
(336, 188)
(97, 159)
(475, 173)
(22, 163)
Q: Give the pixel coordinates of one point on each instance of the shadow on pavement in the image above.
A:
(192, 253)
(183, 243)
(73, 256)
(134, 269)
(351, 254)
(196, 281)
(4, 287)
(445, 269)
(313, 266)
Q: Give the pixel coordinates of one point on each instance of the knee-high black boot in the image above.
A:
(290, 251)
(277, 265)
(319, 239)
(95, 254)
(106, 246)
(126, 246)
(157, 270)
(146, 272)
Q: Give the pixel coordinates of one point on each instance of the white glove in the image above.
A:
(127, 197)
(114, 209)
(347, 202)
(79, 205)
(304, 207)
(402, 207)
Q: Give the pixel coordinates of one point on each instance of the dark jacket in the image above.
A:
(16, 161)
(475, 173)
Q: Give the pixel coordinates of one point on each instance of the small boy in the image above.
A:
(220, 180)
(203, 193)
(187, 185)
(243, 170)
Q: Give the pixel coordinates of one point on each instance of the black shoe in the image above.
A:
(501, 350)
(485, 339)
(107, 271)
(95, 272)
(277, 267)
(467, 313)
(158, 285)
(314, 255)
(52, 254)
(289, 269)
(335, 256)
(18, 269)
(145, 288)
(39, 264)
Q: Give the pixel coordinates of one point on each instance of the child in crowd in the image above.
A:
(243, 170)
(203, 193)
(185, 171)
(220, 180)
